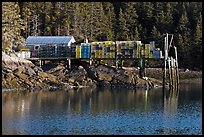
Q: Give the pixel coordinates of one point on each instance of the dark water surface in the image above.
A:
(86, 111)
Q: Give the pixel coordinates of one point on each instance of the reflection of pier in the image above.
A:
(171, 100)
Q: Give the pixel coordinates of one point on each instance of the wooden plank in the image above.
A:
(164, 68)
(169, 70)
(177, 72)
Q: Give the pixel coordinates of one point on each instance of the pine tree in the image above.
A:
(136, 35)
(26, 13)
(12, 25)
(46, 24)
(99, 22)
(131, 17)
(196, 47)
(163, 17)
(155, 33)
(110, 20)
(122, 28)
(145, 17)
(183, 29)
(141, 31)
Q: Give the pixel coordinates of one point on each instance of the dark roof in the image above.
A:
(48, 40)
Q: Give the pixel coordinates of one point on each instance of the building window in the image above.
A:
(36, 47)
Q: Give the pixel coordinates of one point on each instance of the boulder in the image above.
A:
(43, 74)
(14, 83)
(9, 77)
(6, 70)
(56, 69)
(71, 80)
(29, 84)
(19, 70)
(23, 77)
(29, 71)
(37, 69)
(80, 78)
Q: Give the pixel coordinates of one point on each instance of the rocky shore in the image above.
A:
(18, 73)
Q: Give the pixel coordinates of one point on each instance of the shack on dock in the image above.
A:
(23, 53)
(49, 46)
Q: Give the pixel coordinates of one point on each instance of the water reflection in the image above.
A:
(102, 111)
(18, 104)
(78, 101)
(171, 100)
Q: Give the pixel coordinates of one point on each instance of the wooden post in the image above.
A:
(43, 62)
(167, 41)
(90, 61)
(175, 77)
(172, 72)
(40, 62)
(145, 68)
(141, 70)
(116, 63)
(177, 72)
(164, 69)
(56, 51)
(169, 70)
(69, 63)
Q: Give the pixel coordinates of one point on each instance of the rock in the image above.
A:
(19, 70)
(80, 78)
(56, 69)
(81, 68)
(186, 70)
(7, 70)
(13, 83)
(29, 71)
(145, 78)
(76, 84)
(23, 77)
(104, 76)
(71, 80)
(9, 76)
(52, 78)
(43, 74)
(37, 69)
(30, 84)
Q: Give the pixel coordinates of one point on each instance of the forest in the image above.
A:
(101, 21)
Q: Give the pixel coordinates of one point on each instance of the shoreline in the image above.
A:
(185, 79)
(16, 74)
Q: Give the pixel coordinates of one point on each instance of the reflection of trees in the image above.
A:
(78, 101)
(123, 100)
(15, 104)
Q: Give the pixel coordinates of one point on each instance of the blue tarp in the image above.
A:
(31, 40)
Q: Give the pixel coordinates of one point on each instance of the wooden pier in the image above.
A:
(170, 62)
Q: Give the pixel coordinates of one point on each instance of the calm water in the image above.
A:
(86, 111)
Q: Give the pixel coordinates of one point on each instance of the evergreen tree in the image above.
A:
(12, 25)
(136, 35)
(163, 17)
(110, 20)
(183, 29)
(99, 25)
(131, 18)
(145, 18)
(122, 28)
(196, 47)
(155, 33)
(98, 21)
